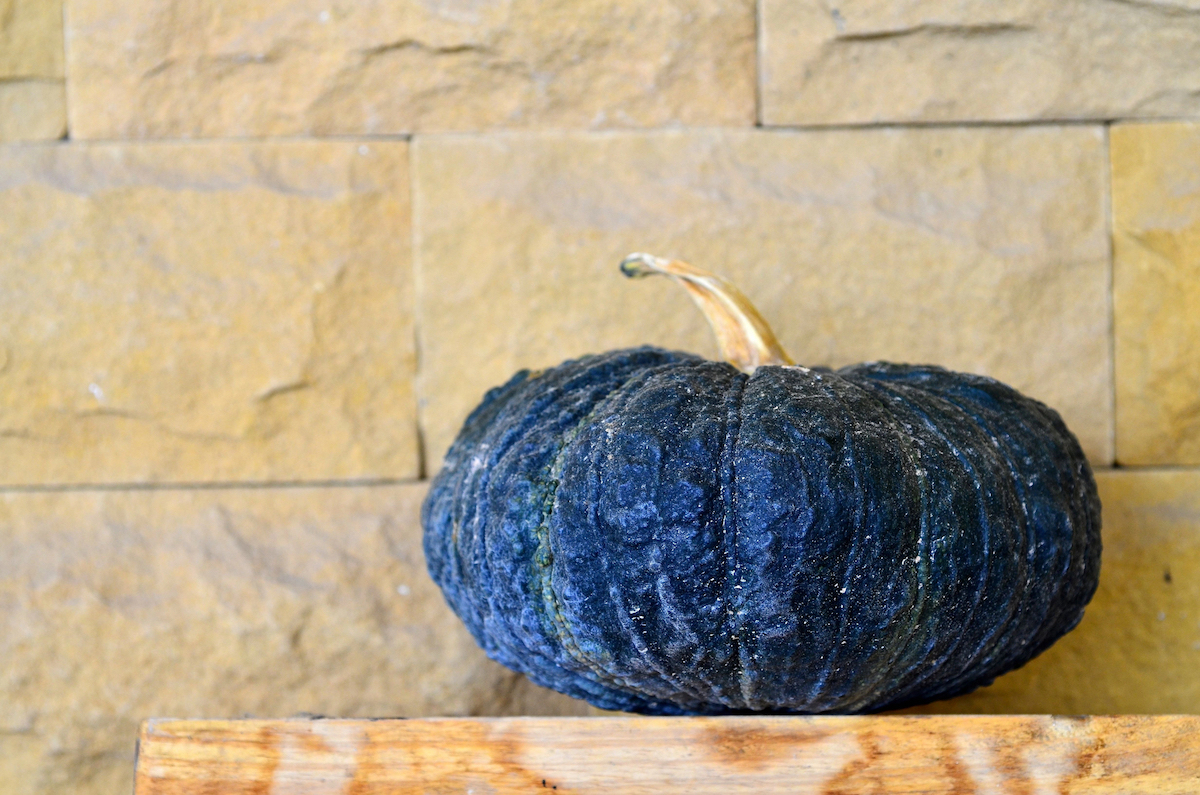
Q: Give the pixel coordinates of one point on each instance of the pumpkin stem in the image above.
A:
(745, 339)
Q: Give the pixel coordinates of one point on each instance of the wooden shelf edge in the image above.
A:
(825, 754)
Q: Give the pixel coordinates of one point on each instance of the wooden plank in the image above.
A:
(845, 755)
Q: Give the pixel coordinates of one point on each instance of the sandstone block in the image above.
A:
(220, 603)
(865, 61)
(172, 69)
(33, 105)
(1137, 649)
(205, 313)
(32, 110)
(1156, 286)
(982, 250)
(31, 39)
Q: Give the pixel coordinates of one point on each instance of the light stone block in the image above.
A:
(983, 250)
(31, 39)
(32, 110)
(1137, 649)
(33, 104)
(1156, 283)
(211, 312)
(117, 606)
(872, 61)
(175, 69)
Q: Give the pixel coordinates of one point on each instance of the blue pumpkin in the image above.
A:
(655, 532)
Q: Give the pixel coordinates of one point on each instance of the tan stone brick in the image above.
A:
(983, 250)
(205, 312)
(32, 110)
(1137, 649)
(31, 39)
(169, 68)
(220, 603)
(1156, 292)
(864, 61)
(33, 104)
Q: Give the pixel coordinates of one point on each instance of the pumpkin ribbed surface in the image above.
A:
(656, 532)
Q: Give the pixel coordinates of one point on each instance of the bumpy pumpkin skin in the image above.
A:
(655, 532)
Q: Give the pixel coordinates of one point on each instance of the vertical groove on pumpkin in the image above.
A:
(833, 661)
(869, 686)
(1015, 446)
(727, 497)
(991, 654)
(605, 670)
(942, 670)
(556, 615)
(743, 337)
(932, 410)
(908, 443)
(652, 655)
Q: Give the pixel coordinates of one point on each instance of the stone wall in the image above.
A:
(258, 259)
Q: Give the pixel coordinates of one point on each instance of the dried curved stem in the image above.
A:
(745, 339)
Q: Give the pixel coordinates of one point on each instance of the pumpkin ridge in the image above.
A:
(597, 666)
(702, 693)
(497, 451)
(559, 621)
(1003, 654)
(508, 439)
(1005, 659)
(470, 511)
(664, 548)
(1000, 650)
(902, 693)
(727, 499)
(854, 556)
(684, 687)
(918, 675)
(867, 690)
(473, 594)
(922, 674)
(936, 673)
(1088, 502)
(999, 631)
(904, 652)
(793, 513)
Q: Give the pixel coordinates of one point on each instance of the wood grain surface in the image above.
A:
(844, 755)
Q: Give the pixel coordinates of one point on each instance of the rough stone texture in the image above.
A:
(33, 103)
(1156, 281)
(175, 68)
(983, 250)
(220, 603)
(32, 110)
(1138, 646)
(31, 38)
(205, 312)
(864, 61)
